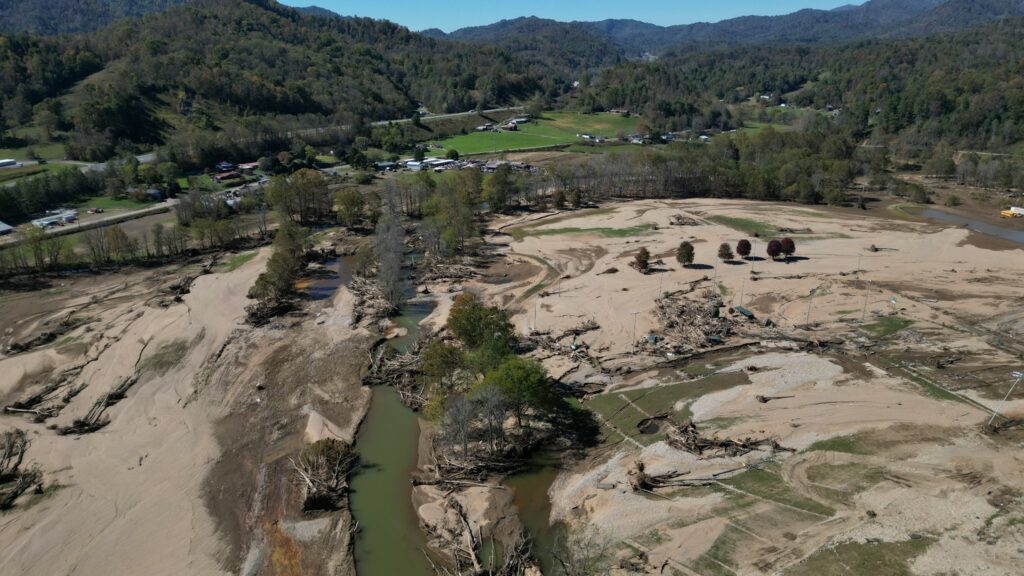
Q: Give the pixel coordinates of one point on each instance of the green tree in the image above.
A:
(476, 324)
(500, 188)
(524, 385)
(440, 361)
(725, 252)
(685, 254)
(350, 205)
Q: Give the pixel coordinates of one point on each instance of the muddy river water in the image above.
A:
(389, 540)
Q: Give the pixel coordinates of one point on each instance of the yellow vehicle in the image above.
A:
(1011, 214)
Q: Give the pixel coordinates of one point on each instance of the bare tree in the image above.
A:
(494, 409)
(457, 425)
(389, 247)
(586, 553)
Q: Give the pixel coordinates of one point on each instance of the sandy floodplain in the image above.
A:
(191, 474)
(890, 343)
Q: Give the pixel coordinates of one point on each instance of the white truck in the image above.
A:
(9, 163)
(1018, 211)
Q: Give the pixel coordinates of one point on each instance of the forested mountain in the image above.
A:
(571, 46)
(50, 17)
(965, 88)
(243, 64)
(873, 19)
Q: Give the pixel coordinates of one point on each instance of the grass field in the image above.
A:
(625, 410)
(108, 203)
(888, 326)
(8, 175)
(520, 233)
(553, 129)
(745, 225)
(12, 174)
(237, 261)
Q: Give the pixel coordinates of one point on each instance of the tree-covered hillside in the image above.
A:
(246, 67)
(966, 88)
(50, 17)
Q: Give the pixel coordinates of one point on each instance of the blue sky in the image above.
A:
(452, 14)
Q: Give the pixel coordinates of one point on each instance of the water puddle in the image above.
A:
(1004, 232)
(322, 284)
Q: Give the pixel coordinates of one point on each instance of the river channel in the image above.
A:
(389, 541)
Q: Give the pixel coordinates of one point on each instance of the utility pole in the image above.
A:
(810, 304)
(634, 331)
(536, 304)
(1019, 376)
(743, 288)
(864, 313)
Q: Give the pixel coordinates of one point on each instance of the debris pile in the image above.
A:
(680, 220)
(688, 439)
(692, 323)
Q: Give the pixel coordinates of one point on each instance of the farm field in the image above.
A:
(553, 129)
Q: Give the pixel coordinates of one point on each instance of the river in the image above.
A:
(390, 541)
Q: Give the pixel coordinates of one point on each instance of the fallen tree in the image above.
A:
(323, 468)
(689, 439)
(15, 481)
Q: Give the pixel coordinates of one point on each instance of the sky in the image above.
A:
(453, 14)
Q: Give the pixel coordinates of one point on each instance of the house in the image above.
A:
(511, 126)
(493, 165)
(414, 166)
(225, 167)
(619, 111)
(5, 229)
(64, 217)
(386, 166)
(249, 167)
(485, 128)
(155, 194)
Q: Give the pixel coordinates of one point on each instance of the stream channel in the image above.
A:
(389, 541)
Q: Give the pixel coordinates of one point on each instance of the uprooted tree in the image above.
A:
(14, 480)
(323, 468)
(642, 261)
